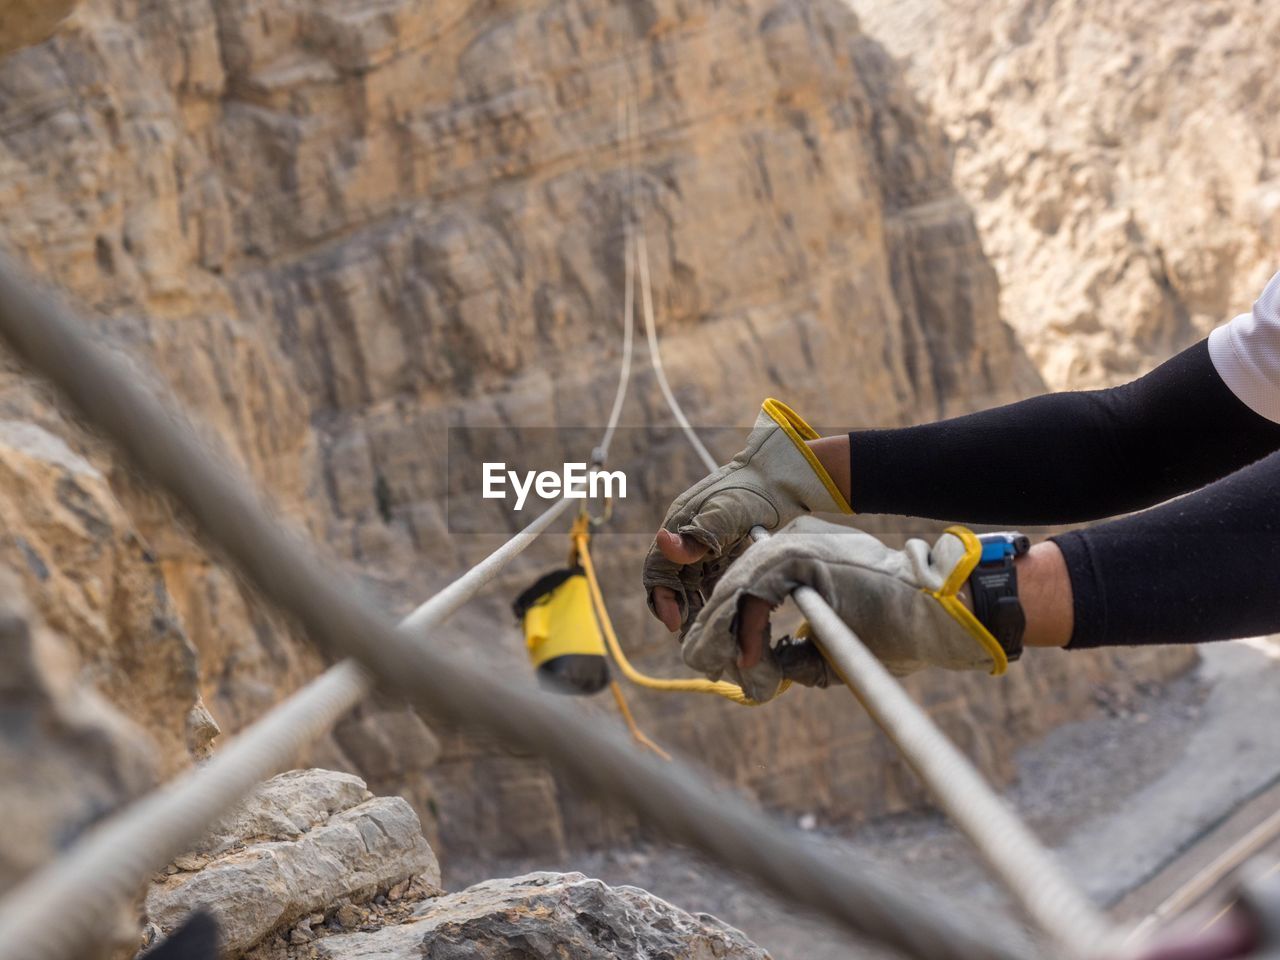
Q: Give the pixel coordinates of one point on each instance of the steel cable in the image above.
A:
(1016, 858)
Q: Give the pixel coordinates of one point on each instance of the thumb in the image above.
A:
(753, 630)
(680, 548)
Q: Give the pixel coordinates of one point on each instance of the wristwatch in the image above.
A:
(993, 587)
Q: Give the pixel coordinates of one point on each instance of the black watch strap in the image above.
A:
(993, 588)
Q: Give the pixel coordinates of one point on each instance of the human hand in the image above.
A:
(776, 478)
(905, 605)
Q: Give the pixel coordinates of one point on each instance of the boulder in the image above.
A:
(284, 808)
(544, 915)
(303, 844)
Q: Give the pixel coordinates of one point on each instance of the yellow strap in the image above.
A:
(722, 688)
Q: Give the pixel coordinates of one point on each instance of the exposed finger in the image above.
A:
(753, 631)
(680, 549)
(667, 607)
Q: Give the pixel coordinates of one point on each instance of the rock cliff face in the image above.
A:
(24, 22)
(1121, 158)
(334, 229)
(68, 758)
(98, 585)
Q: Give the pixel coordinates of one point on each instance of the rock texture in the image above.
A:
(1121, 158)
(67, 757)
(25, 22)
(313, 867)
(306, 842)
(97, 583)
(334, 229)
(544, 915)
(110, 195)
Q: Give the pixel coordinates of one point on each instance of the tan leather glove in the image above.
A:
(903, 604)
(775, 479)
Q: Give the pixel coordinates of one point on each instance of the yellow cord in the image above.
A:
(730, 691)
(637, 734)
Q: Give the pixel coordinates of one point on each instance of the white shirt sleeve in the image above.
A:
(1246, 354)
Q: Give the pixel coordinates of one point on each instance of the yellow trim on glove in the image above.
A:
(799, 431)
(962, 614)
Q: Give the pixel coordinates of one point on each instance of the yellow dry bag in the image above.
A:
(561, 632)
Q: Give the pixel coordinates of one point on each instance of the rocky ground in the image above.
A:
(312, 866)
(1117, 795)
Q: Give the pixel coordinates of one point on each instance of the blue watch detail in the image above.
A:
(998, 547)
(993, 589)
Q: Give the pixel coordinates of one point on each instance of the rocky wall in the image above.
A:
(335, 229)
(1121, 158)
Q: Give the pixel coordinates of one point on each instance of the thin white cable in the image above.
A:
(601, 454)
(1027, 870)
(655, 356)
(646, 300)
(445, 603)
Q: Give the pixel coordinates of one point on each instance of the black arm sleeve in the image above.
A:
(1202, 567)
(1066, 457)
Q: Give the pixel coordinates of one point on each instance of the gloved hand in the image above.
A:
(903, 604)
(775, 479)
